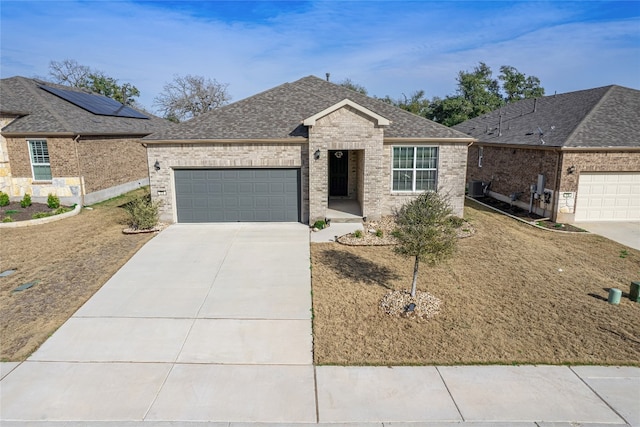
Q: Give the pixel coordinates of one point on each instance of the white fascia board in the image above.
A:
(381, 121)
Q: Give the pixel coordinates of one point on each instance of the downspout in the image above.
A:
(556, 188)
(76, 139)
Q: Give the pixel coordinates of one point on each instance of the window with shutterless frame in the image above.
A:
(414, 169)
(39, 153)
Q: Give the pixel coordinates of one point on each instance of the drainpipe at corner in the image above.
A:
(556, 190)
(76, 139)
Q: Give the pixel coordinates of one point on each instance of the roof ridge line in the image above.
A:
(44, 103)
(588, 116)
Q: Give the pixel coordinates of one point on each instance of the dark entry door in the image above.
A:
(338, 173)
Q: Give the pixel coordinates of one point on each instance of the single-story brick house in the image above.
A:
(572, 157)
(80, 146)
(285, 154)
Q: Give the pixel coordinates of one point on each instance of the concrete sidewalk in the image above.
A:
(210, 325)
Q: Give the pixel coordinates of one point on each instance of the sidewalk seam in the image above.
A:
(450, 395)
(599, 397)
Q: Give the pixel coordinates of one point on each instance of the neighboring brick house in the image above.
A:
(52, 143)
(582, 147)
(285, 154)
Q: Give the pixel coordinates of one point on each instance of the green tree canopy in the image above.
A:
(350, 84)
(477, 93)
(425, 231)
(70, 73)
(517, 86)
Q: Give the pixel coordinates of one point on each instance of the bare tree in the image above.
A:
(189, 96)
(69, 73)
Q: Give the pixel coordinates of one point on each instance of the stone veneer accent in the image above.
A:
(514, 169)
(221, 155)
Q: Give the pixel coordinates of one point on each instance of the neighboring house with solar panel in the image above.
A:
(301, 152)
(79, 146)
(571, 157)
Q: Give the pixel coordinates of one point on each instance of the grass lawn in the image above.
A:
(511, 294)
(70, 259)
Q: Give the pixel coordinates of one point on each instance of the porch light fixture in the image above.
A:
(571, 169)
(156, 166)
(338, 154)
(316, 155)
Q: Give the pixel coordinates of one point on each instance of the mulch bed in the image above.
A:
(18, 213)
(527, 216)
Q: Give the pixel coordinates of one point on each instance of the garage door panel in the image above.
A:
(230, 195)
(608, 196)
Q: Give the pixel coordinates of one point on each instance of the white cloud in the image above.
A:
(389, 47)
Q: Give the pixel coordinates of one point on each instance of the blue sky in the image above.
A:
(390, 47)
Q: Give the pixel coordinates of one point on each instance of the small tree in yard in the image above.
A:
(424, 231)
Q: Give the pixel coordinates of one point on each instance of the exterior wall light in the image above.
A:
(316, 155)
(571, 169)
(156, 166)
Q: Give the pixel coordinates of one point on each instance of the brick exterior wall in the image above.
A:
(105, 163)
(109, 162)
(346, 129)
(231, 155)
(513, 170)
(452, 160)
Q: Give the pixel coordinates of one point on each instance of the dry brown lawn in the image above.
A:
(70, 259)
(512, 294)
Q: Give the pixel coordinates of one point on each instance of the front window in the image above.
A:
(415, 168)
(40, 160)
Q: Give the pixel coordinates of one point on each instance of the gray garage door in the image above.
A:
(230, 195)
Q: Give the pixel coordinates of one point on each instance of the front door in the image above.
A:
(338, 173)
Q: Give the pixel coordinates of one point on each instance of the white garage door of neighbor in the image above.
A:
(608, 196)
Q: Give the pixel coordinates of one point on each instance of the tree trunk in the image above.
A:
(415, 279)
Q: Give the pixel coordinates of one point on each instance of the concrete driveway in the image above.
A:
(210, 325)
(626, 233)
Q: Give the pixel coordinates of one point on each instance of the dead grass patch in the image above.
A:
(511, 294)
(71, 259)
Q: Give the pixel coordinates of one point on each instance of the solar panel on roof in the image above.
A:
(96, 104)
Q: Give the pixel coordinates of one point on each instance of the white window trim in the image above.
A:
(33, 163)
(413, 183)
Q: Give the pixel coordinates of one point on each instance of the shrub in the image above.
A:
(456, 221)
(41, 215)
(143, 213)
(61, 210)
(379, 233)
(53, 201)
(4, 199)
(357, 234)
(26, 201)
(319, 224)
(7, 219)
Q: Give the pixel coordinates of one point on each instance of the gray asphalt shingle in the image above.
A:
(607, 116)
(44, 112)
(278, 114)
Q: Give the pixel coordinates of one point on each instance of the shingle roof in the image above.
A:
(278, 113)
(45, 113)
(602, 117)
